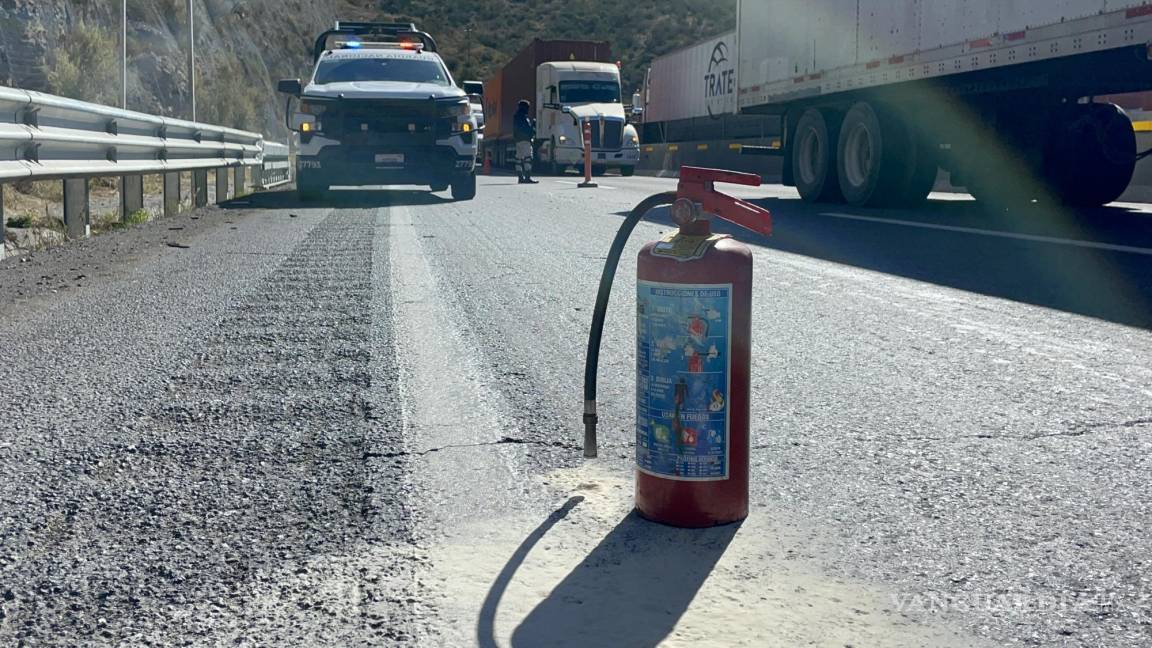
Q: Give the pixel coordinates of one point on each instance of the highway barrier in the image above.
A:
(46, 137)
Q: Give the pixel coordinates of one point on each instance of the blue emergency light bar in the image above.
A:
(403, 34)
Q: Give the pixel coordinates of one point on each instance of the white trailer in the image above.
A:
(694, 81)
(877, 95)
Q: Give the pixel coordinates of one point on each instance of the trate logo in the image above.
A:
(720, 82)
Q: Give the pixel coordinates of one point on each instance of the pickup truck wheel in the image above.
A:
(628, 171)
(814, 157)
(871, 157)
(464, 186)
(308, 190)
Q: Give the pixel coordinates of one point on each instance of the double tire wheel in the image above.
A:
(867, 157)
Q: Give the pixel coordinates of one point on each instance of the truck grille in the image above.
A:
(613, 134)
(378, 117)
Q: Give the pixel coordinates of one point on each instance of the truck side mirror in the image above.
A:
(567, 110)
(290, 87)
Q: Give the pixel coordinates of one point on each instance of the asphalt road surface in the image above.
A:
(356, 423)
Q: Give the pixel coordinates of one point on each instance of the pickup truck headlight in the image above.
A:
(458, 109)
(312, 108)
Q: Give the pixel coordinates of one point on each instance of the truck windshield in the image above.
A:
(381, 69)
(578, 92)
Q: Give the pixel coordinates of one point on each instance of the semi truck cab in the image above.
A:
(571, 92)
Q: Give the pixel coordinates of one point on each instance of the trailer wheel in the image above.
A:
(1094, 155)
(870, 158)
(921, 170)
(814, 157)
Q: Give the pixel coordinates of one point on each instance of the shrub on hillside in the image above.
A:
(228, 96)
(86, 66)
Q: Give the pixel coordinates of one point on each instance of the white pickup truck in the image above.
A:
(381, 108)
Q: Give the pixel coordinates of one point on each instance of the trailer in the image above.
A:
(689, 95)
(875, 96)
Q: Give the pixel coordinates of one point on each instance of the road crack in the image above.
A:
(1086, 428)
(456, 446)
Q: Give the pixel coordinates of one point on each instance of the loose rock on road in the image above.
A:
(356, 423)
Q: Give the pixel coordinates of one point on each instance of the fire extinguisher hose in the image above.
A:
(592, 361)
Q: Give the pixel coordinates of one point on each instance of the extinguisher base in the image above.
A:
(691, 522)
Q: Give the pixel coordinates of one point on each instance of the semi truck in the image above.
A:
(568, 82)
(875, 96)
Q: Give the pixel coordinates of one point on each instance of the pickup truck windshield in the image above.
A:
(381, 69)
(578, 92)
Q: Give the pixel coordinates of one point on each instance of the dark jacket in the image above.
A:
(523, 127)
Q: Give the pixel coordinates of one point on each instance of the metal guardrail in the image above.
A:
(45, 137)
(275, 166)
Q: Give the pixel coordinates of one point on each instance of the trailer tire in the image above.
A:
(922, 168)
(1094, 155)
(871, 157)
(814, 157)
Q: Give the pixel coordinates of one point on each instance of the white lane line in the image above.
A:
(575, 183)
(1010, 235)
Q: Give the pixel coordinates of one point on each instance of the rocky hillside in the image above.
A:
(478, 36)
(72, 47)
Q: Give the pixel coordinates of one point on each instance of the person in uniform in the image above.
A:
(523, 132)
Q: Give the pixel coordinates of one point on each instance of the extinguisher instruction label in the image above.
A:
(683, 343)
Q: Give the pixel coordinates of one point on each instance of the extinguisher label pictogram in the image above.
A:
(683, 334)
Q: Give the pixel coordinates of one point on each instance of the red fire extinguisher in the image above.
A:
(693, 354)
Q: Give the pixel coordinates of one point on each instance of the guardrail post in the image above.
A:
(200, 187)
(239, 189)
(171, 194)
(131, 195)
(221, 185)
(76, 219)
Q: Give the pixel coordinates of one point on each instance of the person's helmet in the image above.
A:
(523, 105)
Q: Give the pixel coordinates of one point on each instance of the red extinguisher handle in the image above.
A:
(698, 184)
